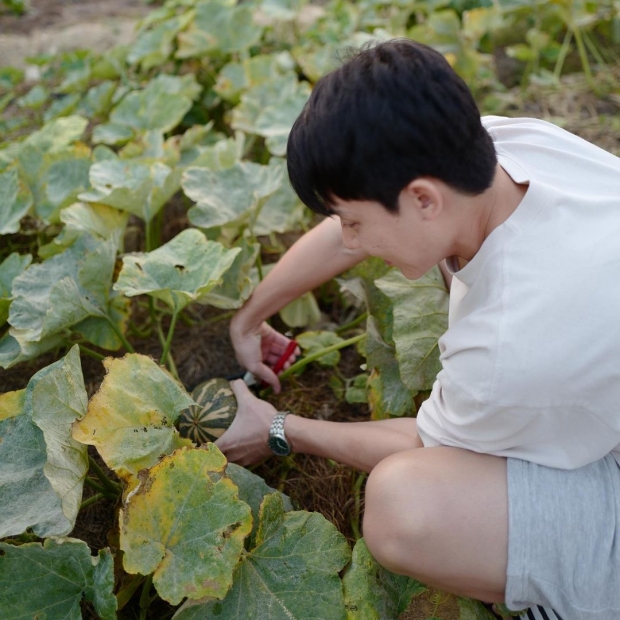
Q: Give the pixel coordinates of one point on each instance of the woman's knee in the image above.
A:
(398, 508)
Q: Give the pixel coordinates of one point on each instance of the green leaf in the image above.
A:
(54, 295)
(387, 394)
(185, 524)
(237, 284)
(42, 468)
(252, 490)
(16, 200)
(161, 105)
(98, 99)
(179, 272)
(55, 176)
(138, 188)
(57, 135)
(34, 98)
(270, 109)
(356, 391)
(51, 580)
(131, 418)
(97, 219)
(222, 154)
(154, 46)
(231, 195)
(301, 312)
(219, 27)
(312, 342)
(100, 332)
(420, 318)
(112, 134)
(291, 573)
(63, 106)
(284, 10)
(235, 77)
(12, 352)
(373, 593)
(10, 268)
(282, 212)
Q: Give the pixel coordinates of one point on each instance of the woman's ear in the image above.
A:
(424, 195)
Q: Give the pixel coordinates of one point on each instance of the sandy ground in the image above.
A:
(56, 25)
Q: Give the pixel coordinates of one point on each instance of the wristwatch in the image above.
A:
(277, 439)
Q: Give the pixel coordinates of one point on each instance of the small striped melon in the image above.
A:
(213, 414)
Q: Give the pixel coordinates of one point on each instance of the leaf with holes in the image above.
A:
(179, 272)
(131, 418)
(186, 524)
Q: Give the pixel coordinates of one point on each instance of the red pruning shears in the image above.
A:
(251, 381)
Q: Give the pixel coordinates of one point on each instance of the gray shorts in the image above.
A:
(564, 539)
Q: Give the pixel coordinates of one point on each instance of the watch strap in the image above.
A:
(276, 434)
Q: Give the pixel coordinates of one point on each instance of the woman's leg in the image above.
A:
(440, 515)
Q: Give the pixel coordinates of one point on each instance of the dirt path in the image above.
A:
(56, 25)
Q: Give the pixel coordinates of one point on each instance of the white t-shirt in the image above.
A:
(531, 359)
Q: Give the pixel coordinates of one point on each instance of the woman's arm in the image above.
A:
(316, 258)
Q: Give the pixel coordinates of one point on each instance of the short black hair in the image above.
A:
(393, 112)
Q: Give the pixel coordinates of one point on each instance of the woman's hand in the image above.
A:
(245, 441)
(259, 352)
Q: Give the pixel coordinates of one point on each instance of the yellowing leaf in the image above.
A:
(131, 418)
(12, 404)
(186, 524)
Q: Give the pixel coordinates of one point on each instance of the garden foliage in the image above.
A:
(197, 112)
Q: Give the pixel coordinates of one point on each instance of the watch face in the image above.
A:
(279, 446)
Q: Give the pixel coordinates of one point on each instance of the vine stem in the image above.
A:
(583, 55)
(123, 596)
(559, 65)
(120, 335)
(113, 487)
(95, 485)
(354, 323)
(315, 356)
(92, 500)
(355, 520)
(145, 597)
(173, 322)
(91, 353)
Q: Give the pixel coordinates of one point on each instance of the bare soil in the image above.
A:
(51, 26)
